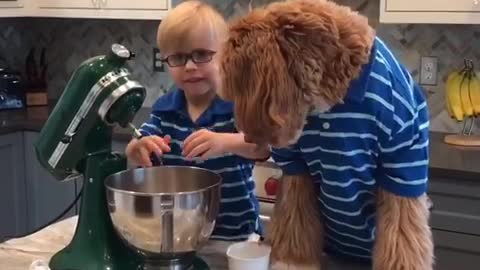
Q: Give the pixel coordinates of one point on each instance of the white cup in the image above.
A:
(250, 255)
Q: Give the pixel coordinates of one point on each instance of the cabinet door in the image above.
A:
(433, 5)
(101, 9)
(13, 205)
(139, 4)
(73, 4)
(456, 205)
(47, 197)
(456, 251)
(430, 11)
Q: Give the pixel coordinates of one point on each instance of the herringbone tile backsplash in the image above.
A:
(70, 41)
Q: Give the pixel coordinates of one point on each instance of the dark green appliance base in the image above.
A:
(95, 245)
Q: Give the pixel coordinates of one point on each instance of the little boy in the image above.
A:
(192, 126)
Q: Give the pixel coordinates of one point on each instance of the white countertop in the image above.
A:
(20, 253)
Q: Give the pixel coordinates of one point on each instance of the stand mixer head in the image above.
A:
(99, 94)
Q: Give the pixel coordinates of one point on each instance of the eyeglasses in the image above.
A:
(198, 56)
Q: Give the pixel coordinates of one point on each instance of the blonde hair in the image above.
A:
(186, 18)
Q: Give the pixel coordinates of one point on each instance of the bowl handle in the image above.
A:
(166, 205)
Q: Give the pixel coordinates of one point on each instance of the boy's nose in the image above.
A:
(190, 64)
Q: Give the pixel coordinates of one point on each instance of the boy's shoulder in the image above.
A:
(169, 101)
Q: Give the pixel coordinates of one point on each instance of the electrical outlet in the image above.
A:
(428, 70)
(157, 61)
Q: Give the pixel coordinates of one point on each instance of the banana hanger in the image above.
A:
(466, 138)
(468, 131)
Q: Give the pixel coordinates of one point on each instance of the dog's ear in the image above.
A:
(323, 44)
(253, 68)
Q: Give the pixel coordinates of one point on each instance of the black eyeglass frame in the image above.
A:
(189, 56)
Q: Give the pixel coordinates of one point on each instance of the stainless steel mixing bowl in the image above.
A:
(164, 211)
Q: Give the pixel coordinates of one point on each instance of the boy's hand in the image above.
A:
(139, 150)
(205, 144)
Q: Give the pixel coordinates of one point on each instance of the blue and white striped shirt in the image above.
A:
(238, 214)
(377, 139)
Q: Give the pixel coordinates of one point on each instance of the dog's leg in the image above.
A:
(403, 237)
(296, 232)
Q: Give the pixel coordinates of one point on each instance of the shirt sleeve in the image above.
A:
(404, 156)
(290, 160)
(152, 126)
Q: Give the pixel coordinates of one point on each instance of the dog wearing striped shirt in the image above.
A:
(291, 64)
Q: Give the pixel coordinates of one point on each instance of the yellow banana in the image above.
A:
(448, 85)
(465, 94)
(475, 93)
(453, 96)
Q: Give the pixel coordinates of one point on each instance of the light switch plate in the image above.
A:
(157, 61)
(428, 70)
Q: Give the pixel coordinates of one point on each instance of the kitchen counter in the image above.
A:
(18, 254)
(445, 160)
(453, 161)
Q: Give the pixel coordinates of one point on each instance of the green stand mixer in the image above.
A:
(116, 202)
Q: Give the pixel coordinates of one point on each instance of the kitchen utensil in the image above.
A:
(42, 79)
(30, 66)
(250, 254)
(76, 140)
(164, 213)
(36, 84)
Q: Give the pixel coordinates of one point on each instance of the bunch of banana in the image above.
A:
(462, 93)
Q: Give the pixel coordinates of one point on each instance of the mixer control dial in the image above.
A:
(120, 51)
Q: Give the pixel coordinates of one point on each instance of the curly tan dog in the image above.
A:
(348, 127)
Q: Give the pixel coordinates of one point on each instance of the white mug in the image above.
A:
(250, 255)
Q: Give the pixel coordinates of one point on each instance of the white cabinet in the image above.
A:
(430, 11)
(113, 9)
(134, 5)
(11, 3)
(105, 4)
(12, 8)
(72, 4)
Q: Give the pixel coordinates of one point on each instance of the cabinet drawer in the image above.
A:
(105, 4)
(455, 214)
(433, 5)
(456, 251)
(456, 205)
(11, 4)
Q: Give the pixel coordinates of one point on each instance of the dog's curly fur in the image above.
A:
(404, 238)
(279, 63)
(316, 48)
(296, 230)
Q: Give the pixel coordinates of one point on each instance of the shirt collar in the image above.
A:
(175, 101)
(358, 87)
